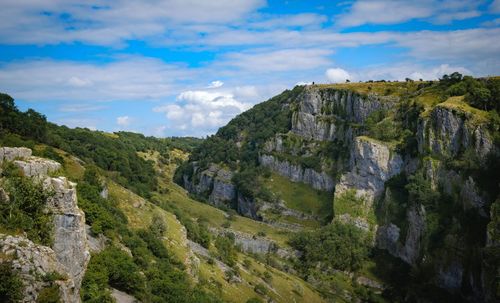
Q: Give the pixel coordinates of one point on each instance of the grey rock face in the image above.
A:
(388, 236)
(33, 262)
(216, 182)
(37, 167)
(12, 153)
(319, 111)
(372, 163)
(70, 238)
(223, 189)
(318, 180)
(69, 254)
(447, 132)
(247, 207)
(96, 244)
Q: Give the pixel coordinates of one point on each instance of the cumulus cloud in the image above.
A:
(215, 84)
(123, 121)
(202, 112)
(337, 75)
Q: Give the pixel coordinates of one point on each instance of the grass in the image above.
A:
(349, 203)
(301, 197)
(175, 240)
(179, 198)
(141, 217)
(457, 103)
(380, 88)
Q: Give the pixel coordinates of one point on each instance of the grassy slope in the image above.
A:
(282, 285)
(139, 217)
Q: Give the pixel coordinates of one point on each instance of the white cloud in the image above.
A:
(78, 108)
(123, 121)
(337, 75)
(129, 78)
(110, 22)
(202, 112)
(405, 70)
(278, 60)
(215, 84)
(303, 83)
(398, 11)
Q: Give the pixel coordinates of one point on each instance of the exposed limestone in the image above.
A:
(69, 254)
(33, 262)
(223, 191)
(296, 173)
(122, 297)
(372, 163)
(215, 182)
(247, 207)
(12, 153)
(448, 132)
(320, 109)
(96, 244)
(388, 236)
(37, 167)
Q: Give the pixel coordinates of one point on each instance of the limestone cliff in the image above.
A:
(372, 163)
(69, 253)
(371, 148)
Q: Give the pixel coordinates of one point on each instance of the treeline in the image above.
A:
(482, 93)
(112, 152)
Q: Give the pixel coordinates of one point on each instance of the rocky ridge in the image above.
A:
(69, 254)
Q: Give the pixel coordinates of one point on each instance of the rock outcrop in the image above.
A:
(448, 132)
(33, 262)
(37, 167)
(390, 238)
(12, 153)
(296, 173)
(70, 238)
(321, 112)
(215, 182)
(69, 254)
(372, 163)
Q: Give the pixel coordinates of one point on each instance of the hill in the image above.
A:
(377, 192)
(409, 168)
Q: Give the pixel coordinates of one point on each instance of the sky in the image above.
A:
(186, 67)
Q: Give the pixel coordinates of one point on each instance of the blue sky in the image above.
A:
(186, 67)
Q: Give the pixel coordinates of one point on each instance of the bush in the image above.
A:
(226, 250)
(11, 286)
(261, 289)
(49, 294)
(27, 209)
(339, 246)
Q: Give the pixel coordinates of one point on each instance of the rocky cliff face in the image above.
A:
(448, 132)
(215, 182)
(325, 122)
(322, 113)
(296, 173)
(69, 254)
(372, 163)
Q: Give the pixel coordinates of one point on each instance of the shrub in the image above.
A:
(11, 286)
(261, 289)
(339, 246)
(27, 209)
(49, 294)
